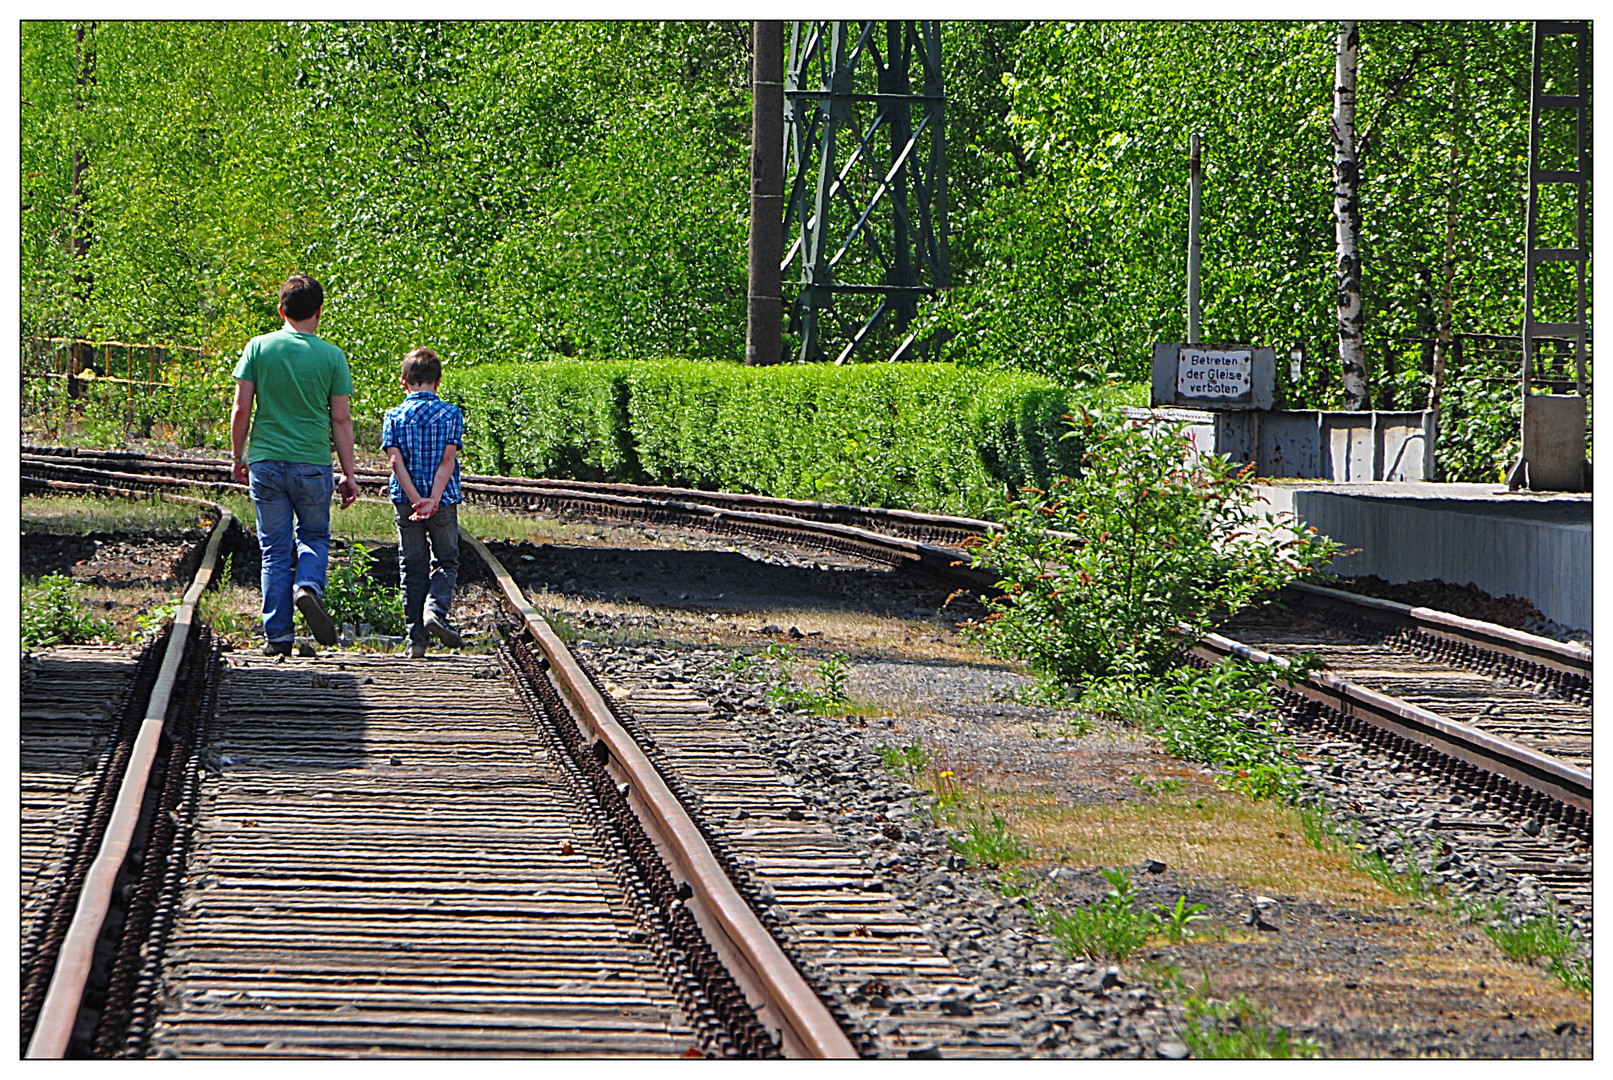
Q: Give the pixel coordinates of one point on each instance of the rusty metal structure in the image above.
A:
(1554, 423)
(865, 206)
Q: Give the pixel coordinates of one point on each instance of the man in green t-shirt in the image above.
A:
(300, 383)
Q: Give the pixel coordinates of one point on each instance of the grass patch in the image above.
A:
(989, 842)
(76, 515)
(1238, 1029)
(54, 613)
(1528, 940)
(1410, 878)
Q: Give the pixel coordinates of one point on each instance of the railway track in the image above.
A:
(299, 927)
(349, 860)
(1518, 705)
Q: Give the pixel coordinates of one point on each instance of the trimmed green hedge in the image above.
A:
(924, 436)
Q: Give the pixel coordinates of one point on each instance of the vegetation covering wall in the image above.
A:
(927, 436)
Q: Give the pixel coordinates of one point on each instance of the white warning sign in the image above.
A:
(1213, 374)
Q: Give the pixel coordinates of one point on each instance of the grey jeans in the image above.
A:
(428, 555)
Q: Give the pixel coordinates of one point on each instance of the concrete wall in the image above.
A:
(1349, 447)
(1537, 549)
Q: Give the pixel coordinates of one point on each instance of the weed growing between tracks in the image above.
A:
(53, 614)
(351, 596)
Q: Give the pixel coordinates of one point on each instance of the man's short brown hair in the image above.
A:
(301, 297)
(422, 368)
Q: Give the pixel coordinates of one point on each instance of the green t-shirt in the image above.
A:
(295, 376)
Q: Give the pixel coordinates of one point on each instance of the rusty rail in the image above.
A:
(781, 997)
(1531, 769)
(1565, 658)
(59, 1013)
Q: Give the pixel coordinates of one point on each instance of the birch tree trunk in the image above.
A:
(1347, 219)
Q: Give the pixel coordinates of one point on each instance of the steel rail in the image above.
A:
(778, 992)
(947, 563)
(1568, 658)
(1539, 772)
(59, 1013)
(1528, 767)
(477, 483)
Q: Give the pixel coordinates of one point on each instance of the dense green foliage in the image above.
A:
(536, 190)
(933, 436)
(1110, 572)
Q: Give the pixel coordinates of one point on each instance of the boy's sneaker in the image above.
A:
(442, 631)
(417, 650)
(319, 623)
(277, 648)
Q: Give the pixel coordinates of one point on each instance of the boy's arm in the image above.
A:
(439, 483)
(395, 457)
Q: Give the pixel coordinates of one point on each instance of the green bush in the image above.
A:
(1112, 572)
(924, 436)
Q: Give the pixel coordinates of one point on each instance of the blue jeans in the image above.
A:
(428, 565)
(281, 491)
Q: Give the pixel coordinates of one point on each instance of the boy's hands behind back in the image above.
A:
(424, 509)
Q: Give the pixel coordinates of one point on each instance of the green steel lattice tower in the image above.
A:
(865, 185)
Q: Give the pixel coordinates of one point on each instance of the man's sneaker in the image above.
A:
(277, 648)
(319, 623)
(443, 631)
(417, 650)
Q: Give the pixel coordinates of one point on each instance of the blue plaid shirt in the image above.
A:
(421, 428)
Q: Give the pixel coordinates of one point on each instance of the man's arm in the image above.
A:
(240, 424)
(395, 457)
(439, 483)
(341, 429)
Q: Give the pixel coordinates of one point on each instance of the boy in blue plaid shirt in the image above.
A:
(422, 438)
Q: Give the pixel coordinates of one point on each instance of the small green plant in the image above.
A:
(1412, 880)
(828, 697)
(352, 597)
(1155, 788)
(908, 761)
(1175, 922)
(150, 623)
(1238, 1029)
(53, 614)
(1109, 930)
(741, 665)
(990, 843)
